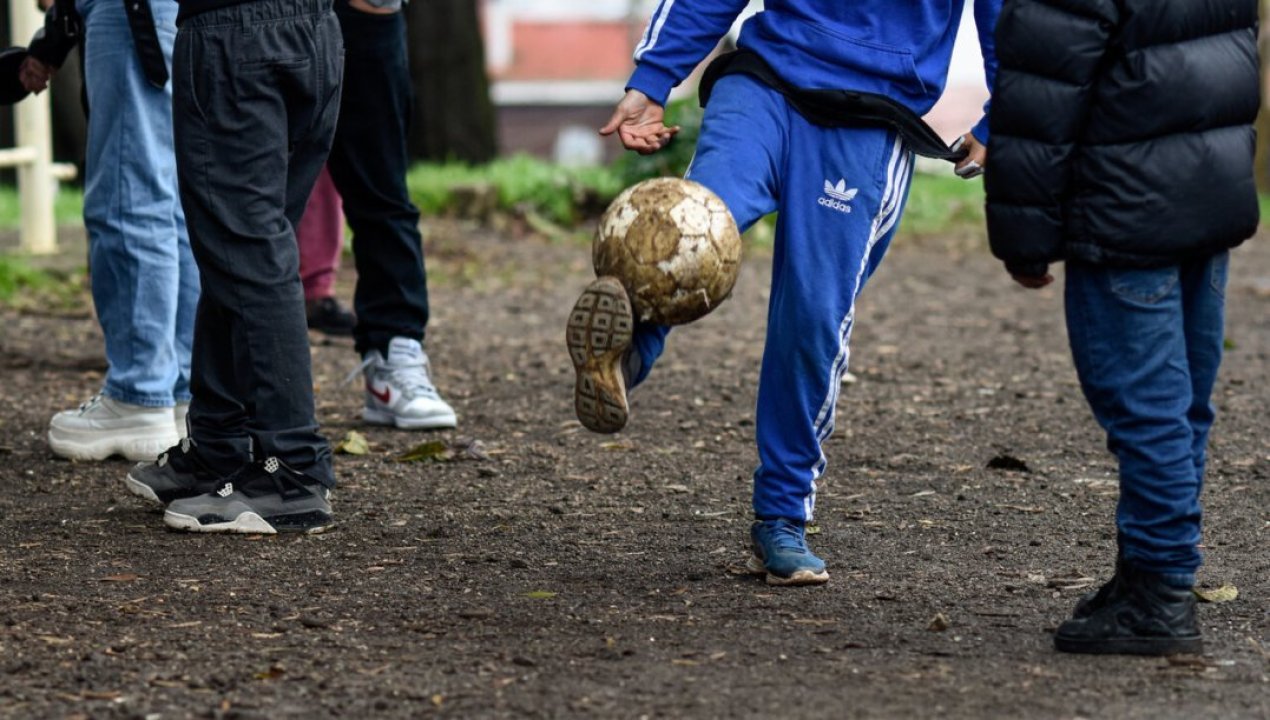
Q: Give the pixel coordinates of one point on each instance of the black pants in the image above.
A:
(255, 99)
(368, 164)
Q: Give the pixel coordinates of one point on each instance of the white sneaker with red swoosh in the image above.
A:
(399, 389)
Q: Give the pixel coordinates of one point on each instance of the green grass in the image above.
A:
(940, 203)
(561, 195)
(68, 207)
(24, 286)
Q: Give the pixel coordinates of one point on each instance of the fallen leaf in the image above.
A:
(354, 443)
(123, 577)
(939, 623)
(431, 451)
(540, 595)
(812, 530)
(1225, 593)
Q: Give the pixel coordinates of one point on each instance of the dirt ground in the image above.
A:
(574, 575)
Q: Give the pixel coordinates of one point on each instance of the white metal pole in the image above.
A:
(33, 131)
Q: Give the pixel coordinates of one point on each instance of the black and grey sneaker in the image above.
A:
(260, 498)
(178, 473)
(1137, 613)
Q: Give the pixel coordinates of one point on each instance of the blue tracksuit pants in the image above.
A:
(839, 194)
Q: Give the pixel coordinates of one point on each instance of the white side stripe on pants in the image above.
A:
(899, 171)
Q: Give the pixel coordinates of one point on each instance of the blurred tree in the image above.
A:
(454, 116)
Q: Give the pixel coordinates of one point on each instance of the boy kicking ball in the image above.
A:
(816, 117)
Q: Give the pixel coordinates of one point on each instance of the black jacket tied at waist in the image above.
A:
(834, 108)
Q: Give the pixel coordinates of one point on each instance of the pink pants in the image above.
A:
(320, 236)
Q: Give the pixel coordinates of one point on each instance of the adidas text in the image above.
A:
(834, 204)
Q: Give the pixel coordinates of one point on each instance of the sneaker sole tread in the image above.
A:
(599, 333)
(74, 445)
(1131, 646)
(801, 577)
(248, 523)
(375, 416)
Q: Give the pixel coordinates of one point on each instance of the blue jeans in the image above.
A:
(1147, 345)
(145, 284)
(839, 193)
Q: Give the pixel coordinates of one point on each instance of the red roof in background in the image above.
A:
(570, 51)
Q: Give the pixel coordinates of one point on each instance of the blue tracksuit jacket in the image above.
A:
(897, 48)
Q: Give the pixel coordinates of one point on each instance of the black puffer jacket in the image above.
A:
(1122, 131)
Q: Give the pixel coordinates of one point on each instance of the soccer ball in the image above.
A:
(673, 245)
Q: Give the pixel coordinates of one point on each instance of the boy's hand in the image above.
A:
(1033, 282)
(972, 165)
(639, 124)
(35, 75)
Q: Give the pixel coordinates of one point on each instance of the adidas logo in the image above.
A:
(226, 491)
(838, 196)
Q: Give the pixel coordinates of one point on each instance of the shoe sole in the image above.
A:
(375, 416)
(249, 523)
(802, 577)
(599, 333)
(91, 446)
(1131, 646)
(141, 490)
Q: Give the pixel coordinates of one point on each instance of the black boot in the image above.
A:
(1091, 602)
(1137, 613)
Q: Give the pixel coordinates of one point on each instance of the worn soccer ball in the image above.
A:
(673, 245)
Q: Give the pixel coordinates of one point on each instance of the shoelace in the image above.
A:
(412, 378)
(90, 403)
(786, 536)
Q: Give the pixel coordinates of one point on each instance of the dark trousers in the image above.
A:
(368, 164)
(255, 98)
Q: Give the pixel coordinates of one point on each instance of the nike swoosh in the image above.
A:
(382, 397)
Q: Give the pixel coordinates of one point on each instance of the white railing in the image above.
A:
(33, 157)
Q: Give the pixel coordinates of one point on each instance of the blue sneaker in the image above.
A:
(781, 552)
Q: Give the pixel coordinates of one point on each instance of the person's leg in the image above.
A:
(256, 92)
(726, 144)
(1128, 336)
(739, 156)
(1128, 340)
(368, 164)
(1204, 315)
(845, 193)
(320, 236)
(132, 215)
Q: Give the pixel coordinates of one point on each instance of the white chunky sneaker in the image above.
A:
(103, 427)
(400, 392)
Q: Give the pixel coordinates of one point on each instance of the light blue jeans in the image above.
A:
(145, 284)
